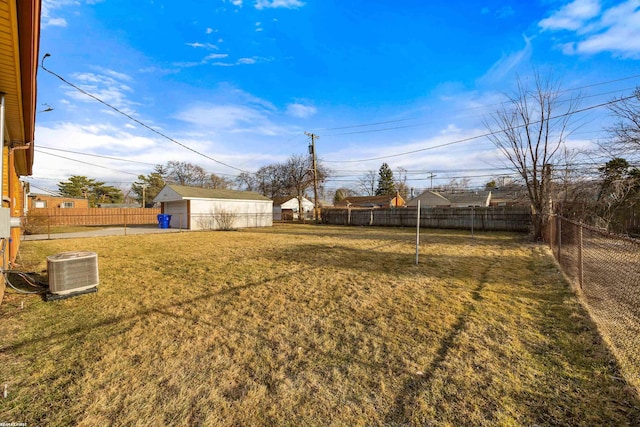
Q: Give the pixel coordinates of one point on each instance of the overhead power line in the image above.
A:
(86, 163)
(55, 193)
(471, 138)
(117, 110)
(97, 155)
(468, 109)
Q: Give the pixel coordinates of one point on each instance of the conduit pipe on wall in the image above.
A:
(2, 125)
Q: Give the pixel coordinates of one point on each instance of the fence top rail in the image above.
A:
(423, 208)
(602, 232)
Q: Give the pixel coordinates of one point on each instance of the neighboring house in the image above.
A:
(512, 195)
(195, 208)
(19, 53)
(430, 199)
(41, 201)
(286, 208)
(119, 205)
(465, 199)
(395, 201)
(458, 199)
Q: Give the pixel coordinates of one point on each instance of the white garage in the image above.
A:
(195, 208)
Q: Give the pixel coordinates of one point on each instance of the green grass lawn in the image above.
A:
(309, 325)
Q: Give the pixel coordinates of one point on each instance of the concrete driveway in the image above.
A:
(110, 231)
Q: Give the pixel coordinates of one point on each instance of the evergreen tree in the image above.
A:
(149, 185)
(87, 188)
(386, 185)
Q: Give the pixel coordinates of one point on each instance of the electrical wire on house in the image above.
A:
(117, 110)
(36, 284)
(5, 273)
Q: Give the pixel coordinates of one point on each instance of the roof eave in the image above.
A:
(29, 39)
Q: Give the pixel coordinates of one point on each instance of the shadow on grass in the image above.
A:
(385, 258)
(413, 387)
(120, 319)
(450, 236)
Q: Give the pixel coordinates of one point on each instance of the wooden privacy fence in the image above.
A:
(490, 218)
(91, 216)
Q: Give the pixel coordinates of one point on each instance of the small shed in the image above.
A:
(287, 207)
(429, 199)
(195, 208)
(464, 199)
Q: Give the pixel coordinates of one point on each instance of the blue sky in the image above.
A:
(240, 81)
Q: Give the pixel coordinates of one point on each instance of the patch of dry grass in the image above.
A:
(309, 325)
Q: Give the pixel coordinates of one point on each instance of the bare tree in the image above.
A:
(625, 132)
(247, 181)
(298, 172)
(291, 178)
(271, 181)
(185, 173)
(457, 184)
(367, 183)
(619, 190)
(219, 182)
(529, 129)
(400, 178)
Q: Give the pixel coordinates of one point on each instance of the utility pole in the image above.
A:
(144, 187)
(312, 152)
(432, 175)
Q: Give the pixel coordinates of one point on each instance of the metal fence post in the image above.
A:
(559, 234)
(580, 258)
(418, 233)
(473, 217)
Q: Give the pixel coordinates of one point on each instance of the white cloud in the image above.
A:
(242, 61)
(615, 30)
(48, 9)
(300, 110)
(236, 3)
(54, 22)
(116, 75)
(231, 118)
(108, 86)
(216, 56)
(202, 45)
(508, 63)
(475, 152)
(272, 4)
(572, 16)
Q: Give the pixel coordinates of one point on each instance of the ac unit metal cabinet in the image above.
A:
(72, 272)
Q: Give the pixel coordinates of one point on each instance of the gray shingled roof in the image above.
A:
(209, 193)
(467, 196)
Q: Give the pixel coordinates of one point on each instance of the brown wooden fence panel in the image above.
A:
(491, 218)
(97, 216)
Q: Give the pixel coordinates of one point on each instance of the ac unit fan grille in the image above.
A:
(72, 272)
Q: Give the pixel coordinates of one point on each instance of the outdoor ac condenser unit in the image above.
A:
(72, 272)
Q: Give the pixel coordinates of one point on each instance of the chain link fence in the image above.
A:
(605, 270)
